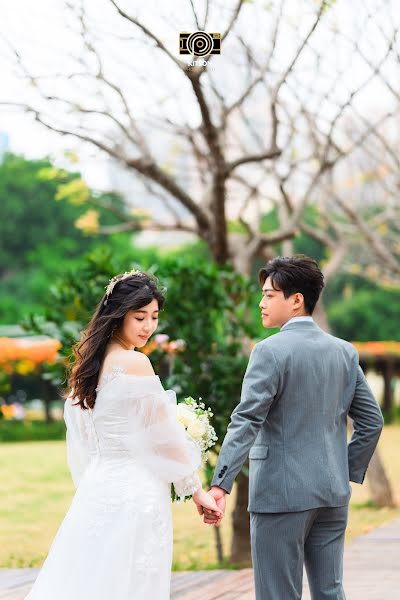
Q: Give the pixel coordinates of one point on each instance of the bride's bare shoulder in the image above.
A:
(131, 361)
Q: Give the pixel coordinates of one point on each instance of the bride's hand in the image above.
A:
(203, 500)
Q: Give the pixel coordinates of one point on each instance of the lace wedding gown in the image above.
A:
(115, 543)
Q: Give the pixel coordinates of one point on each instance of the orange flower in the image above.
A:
(7, 410)
(175, 346)
(149, 348)
(378, 348)
(24, 349)
(160, 342)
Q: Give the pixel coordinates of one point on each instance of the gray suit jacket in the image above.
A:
(291, 422)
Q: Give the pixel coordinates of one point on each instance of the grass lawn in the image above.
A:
(37, 490)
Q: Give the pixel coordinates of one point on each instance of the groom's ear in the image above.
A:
(298, 299)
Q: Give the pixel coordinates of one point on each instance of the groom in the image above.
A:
(299, 388)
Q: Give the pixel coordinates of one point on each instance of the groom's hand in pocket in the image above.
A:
(210, 518)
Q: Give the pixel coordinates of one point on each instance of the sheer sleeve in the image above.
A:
(188, 485)
(156, 435)
(77, 441)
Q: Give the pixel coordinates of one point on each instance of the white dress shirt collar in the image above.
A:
(296, 319)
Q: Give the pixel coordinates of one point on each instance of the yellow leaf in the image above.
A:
(70, 314)
(168, 169)
(24, 367)
(88, 222)
(75, 191)
(372, 271)
(51, 173)
(355, 269)
(71, 156)
(383, 229)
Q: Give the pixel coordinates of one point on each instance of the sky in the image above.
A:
(44, 35)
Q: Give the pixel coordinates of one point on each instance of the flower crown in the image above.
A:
(114, 280)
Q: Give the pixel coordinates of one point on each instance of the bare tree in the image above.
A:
(283, 119)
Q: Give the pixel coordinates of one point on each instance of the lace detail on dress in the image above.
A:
(91, 432)
(122, 500)
(111, 374)
(187, 486)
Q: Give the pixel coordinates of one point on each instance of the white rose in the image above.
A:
(185, 415)
(196, 429)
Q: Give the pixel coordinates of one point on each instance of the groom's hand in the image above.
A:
(210, 518)
(205, 501)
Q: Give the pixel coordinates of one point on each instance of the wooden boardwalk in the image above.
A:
(372, 572)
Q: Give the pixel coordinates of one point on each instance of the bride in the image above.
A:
(124, 448)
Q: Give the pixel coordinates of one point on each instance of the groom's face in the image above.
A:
(275, 308)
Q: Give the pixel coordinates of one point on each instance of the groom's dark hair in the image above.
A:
(298, 273)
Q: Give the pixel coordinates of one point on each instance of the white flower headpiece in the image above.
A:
(114, 280)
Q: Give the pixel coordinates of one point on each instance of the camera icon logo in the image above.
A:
(200, 43)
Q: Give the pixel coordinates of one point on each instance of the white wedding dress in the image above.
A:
(115, 543)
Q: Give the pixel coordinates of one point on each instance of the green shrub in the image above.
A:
(26, 431)
(212, 308)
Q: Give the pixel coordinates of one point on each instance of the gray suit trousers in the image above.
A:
(282, 543)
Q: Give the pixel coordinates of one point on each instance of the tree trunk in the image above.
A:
(47, 392)
(319, 315)
(388, 374)
(240, 549)
(218, 544)
(379, 484)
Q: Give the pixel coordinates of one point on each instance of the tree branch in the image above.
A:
(284, 77)
(373, 238)
(234, 18)
(149, 169)
(268, 155)
(151, 35)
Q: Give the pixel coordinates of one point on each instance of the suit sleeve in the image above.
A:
(367, 426)
(260, 385)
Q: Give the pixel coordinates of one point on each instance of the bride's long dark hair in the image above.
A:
(132, 292)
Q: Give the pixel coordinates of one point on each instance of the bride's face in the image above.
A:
(138, 325)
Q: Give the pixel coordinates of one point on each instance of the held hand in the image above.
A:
(219, 495)
(205, 502)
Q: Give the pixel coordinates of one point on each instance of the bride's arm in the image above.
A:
(175, 452)
(162, 441)
(76, 440)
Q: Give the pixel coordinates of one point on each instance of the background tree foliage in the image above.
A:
(362, 310)
(38, 234)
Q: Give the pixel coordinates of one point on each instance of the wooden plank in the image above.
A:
(371, 573)
(224, 585)
(182, 583)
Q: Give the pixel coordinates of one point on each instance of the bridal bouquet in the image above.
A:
(195, 418)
